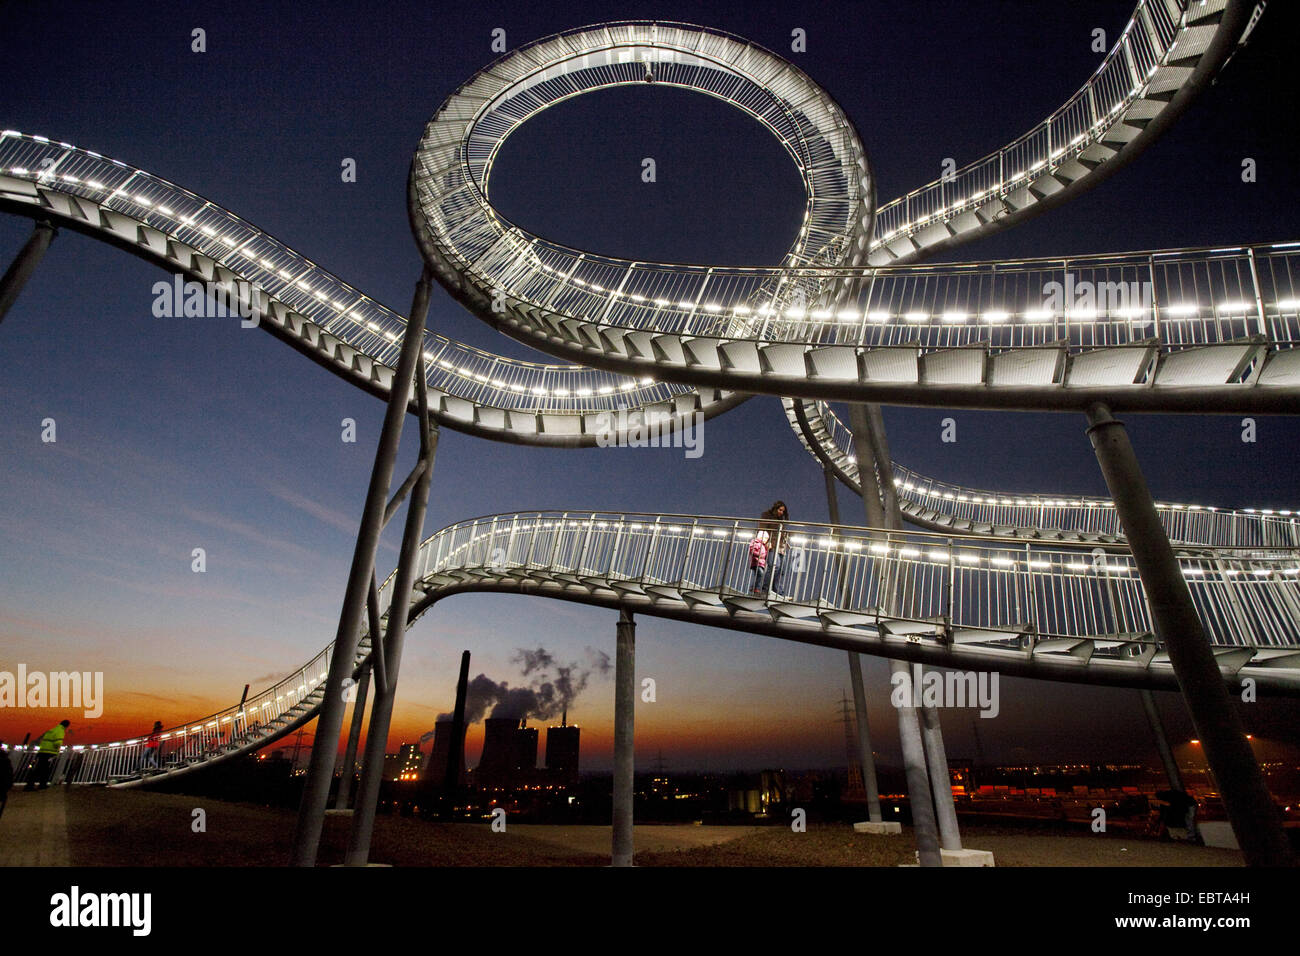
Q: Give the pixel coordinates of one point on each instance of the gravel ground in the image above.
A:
(132, 828)
(836, 845)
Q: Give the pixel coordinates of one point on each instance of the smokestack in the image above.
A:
(564, 718)
(456, 752)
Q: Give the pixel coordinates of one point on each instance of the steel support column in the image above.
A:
(924, 825)
(1172, 773)
(624, 752)
(343, 797)
(918, 782)
(381, 713)
(940, 780)
(324, 751)
(932, 733)
(866, 759)
(885, 466)
(1255, 819)
(24, 264)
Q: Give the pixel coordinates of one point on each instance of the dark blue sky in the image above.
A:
(176, 434)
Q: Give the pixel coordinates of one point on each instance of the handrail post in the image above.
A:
(586, 544)
(1065, 304)
(1031, 593)
(555, 550)
(489, 541)
(1259, 299)
(1127, 48)
(510, 541)
(650, 549)
(686, 553)
(613, 548)
(726, 557)
(532, 543)
(1155, 298)
(952, 575)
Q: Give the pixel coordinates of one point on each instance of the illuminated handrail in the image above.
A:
(1191, 302)
(1021, 514)
(824, 295)
(1143, 47)
(986, 588)
(277, 272)
(261, 718)
(1246, 596)
(1171, 299)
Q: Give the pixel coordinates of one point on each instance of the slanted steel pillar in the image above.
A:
(918, 783)
(884, 465)
(24, 264)
(324, 751)
(399, 607)
(932, 734)
(343, 797)
(1172, 773)
(924, 824)
(866, 760)
(940, 780)
(1255, 819)
(624, 752)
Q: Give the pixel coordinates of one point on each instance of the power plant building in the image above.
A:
(409, 759)
(562, 754)
(509, 752)
(436, 768)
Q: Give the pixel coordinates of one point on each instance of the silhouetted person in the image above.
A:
(47, 749)
(772, 523)
(1178, 812)
(151, 745)
(6, 777)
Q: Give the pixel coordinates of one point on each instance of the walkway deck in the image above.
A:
(34, 828)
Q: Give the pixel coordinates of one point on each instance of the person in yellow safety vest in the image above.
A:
(47, 748)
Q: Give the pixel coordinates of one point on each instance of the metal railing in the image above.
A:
(453, 164)
(1179, 301)
(1081, 121)
(1167, 299)
(278, 273)
(231, 729)
(1247, 597)
(1033, 513)
(988, 589)
(1184, 523)
(1176, 299)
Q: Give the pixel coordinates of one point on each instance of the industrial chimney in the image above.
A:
(454, 768)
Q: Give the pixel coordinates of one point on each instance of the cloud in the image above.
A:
(305, 555)
(348, 524)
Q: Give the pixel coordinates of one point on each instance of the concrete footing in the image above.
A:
(885, 828)
(962, 858)
(361, 866)
(1218, 833)
(967, 857)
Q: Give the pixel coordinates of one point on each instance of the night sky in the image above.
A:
(183, 433)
